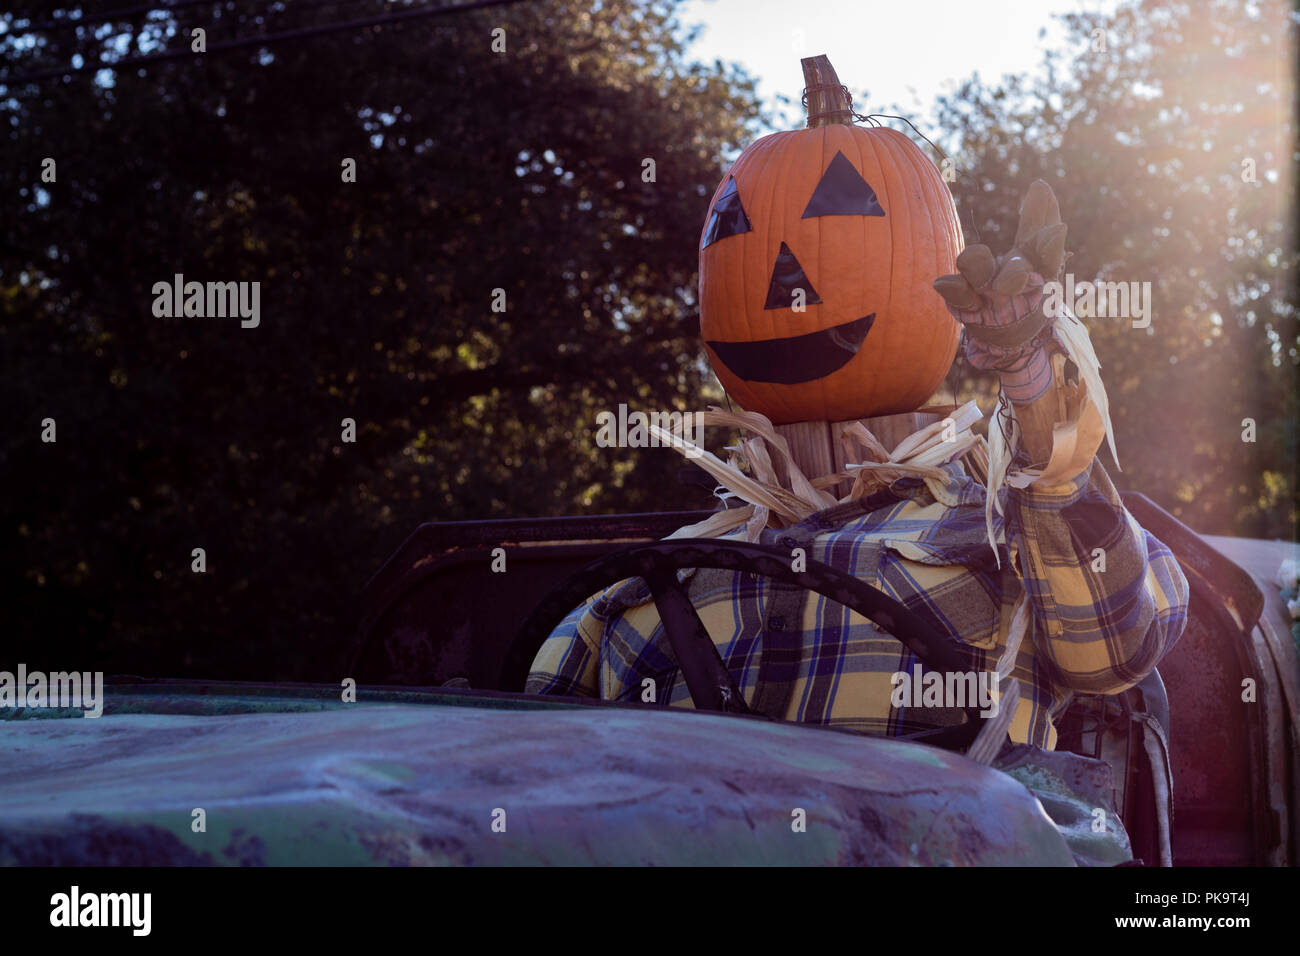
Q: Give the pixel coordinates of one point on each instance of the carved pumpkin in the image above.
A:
(817, 261)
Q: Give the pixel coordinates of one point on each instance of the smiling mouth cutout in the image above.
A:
(795, 359)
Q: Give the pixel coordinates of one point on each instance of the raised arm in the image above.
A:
(1109, 600)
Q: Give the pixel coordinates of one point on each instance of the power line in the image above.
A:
(264, 40)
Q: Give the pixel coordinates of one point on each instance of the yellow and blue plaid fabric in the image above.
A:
(1108, 601)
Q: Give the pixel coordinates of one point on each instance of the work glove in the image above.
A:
(999, 301)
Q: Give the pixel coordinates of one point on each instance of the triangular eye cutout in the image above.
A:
(728, 217)
(787, 276)
(843, 192)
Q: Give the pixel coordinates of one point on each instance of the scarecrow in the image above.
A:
(834, 293)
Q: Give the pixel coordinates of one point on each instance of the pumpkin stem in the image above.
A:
(825, 98)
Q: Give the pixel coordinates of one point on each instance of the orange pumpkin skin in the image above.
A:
(856, 266)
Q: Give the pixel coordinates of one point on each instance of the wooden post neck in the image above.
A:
(817, 449)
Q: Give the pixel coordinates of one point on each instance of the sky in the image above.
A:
(901, 53)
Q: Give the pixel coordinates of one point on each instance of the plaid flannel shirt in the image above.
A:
(798, 656)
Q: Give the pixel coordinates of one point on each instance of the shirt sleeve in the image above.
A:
(1109, 598)
(568, 662)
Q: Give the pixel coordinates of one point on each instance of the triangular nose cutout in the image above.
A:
(787, 277)
(843, 192)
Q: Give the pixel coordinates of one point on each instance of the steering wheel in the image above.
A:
(710, 684)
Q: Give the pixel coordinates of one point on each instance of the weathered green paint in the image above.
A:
(1072, 792)
(292, 779)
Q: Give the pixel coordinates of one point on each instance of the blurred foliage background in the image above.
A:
(521, 171)
(1142, 130)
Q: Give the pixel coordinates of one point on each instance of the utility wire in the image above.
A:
(263, 40)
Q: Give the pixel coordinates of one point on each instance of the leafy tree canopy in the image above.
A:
(1168, 134)
(476, 171)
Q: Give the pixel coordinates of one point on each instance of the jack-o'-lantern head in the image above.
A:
(816, 267)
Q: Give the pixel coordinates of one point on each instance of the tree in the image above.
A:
(489, 167)
(1167, 132)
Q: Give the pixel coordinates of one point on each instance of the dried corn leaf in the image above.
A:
(785, 473)
(933, 434)
(716, 525)
(760, 465)
(999, 463)
(897, 469)
(943, 452)
(857, 434)
(732, 478)
(828, 481)
(976, 461)
(865, 483)
(1016, 632)
(1073, 335)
